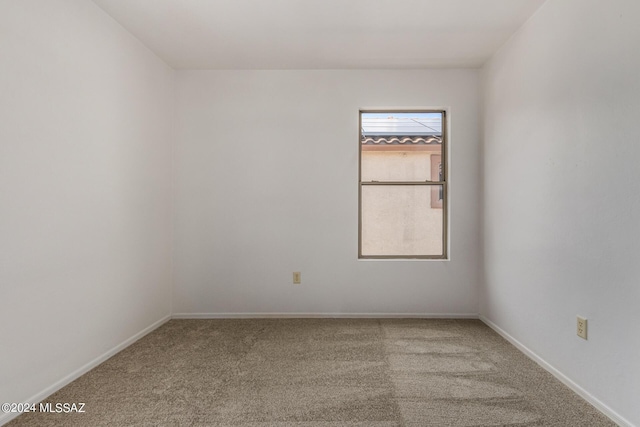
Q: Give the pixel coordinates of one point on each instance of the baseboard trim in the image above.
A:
(39, 397)
(610, 413)
(324, 315)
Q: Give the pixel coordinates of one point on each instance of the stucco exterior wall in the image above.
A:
(399, 220)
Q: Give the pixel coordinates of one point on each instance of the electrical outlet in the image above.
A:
(582, 327)
(296, 278)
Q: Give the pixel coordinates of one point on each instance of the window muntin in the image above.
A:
(402, 185)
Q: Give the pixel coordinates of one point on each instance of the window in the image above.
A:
(402, 185)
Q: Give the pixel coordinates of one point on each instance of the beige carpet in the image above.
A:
(320, 373)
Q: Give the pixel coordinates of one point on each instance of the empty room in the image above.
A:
(320, 213)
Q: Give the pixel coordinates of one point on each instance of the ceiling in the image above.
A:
(321, 34)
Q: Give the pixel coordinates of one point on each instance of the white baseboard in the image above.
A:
(610, 413)
(324, 315)
(5, 418)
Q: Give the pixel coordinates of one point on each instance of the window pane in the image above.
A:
(401, 220)
(400, 165)
(400, 146)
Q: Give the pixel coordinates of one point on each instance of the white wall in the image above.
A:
(266, 184)
(85, 195)
(561, 186)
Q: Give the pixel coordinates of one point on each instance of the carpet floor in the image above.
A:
(319, 373)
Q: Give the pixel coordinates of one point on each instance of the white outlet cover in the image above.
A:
(581, 327)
